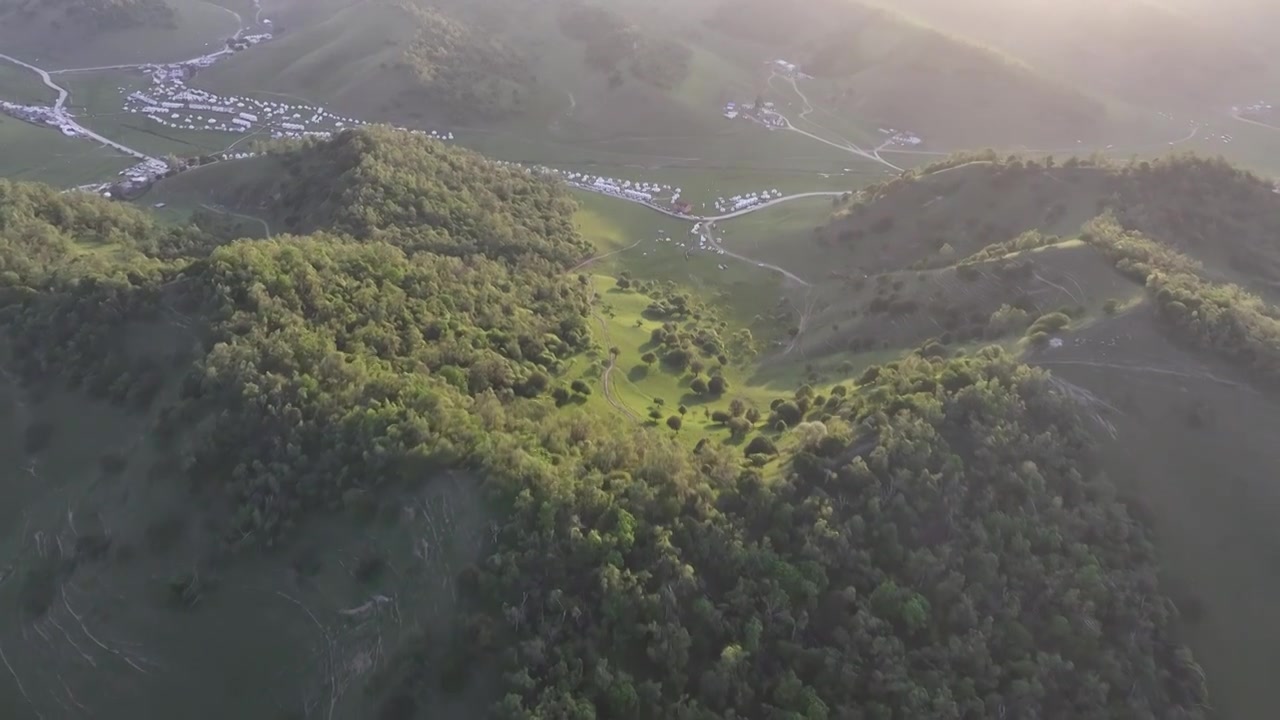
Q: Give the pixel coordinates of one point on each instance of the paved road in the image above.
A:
(1259, 123)
(48, 81)
(64, 95)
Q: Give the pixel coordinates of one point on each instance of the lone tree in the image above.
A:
(699, 386)
(580, 387)
(761, 445)
(675, 423)
(718, 385)
(649, 359)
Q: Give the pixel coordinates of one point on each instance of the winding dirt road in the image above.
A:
(715, 243)
(60, 106)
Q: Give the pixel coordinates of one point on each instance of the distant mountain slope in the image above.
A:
(1144, 50)
(887, 70)
(402, 59)
(90, 14)
(79, 33)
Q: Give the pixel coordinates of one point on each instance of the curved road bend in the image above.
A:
(48, 81)
(60, 105)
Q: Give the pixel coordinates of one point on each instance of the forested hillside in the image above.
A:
(412, 190)
(890, 71)
(456, 66)
(933, 540)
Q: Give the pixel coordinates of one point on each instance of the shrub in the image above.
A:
(1008, 319)
(761, 445)
(580, 387)
(1050, 323)
(788, 412)
(718, 385)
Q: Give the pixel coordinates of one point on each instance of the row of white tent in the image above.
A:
(738, 202)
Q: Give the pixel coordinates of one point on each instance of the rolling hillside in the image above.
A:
(883, 70)
(1161, 314)
(408, 61)
(86, 33)
(1187, 58)
(389, 466)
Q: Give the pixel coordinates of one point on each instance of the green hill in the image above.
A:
(1149, 288)
(887, 71)
(84, 33)
(1140, 50)
(402, 60)
(942, 251)
(362, 470)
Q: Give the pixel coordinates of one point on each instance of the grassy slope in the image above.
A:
(887, 71)
(20, 85)
(345, 57)
(1188, 448)
(1136, 49)
(45, 155)
(201, 26)
(276, 625)
(1206, 488)
(96, 101)
(253, 611)
(233, 185)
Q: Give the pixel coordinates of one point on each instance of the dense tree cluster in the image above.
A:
(943, 548)
(1220, 317)
(424, 196)
(1205, 208)
(303, 335)
(937, 544)
(470, 72)
(336, 364)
